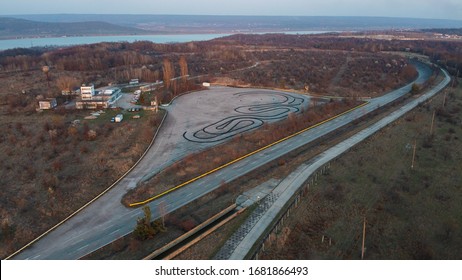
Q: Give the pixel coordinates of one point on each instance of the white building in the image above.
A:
(87, 92)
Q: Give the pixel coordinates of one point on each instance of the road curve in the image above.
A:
(286, 190)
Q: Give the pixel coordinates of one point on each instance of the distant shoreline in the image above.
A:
(156, 38)
(154, 33)
(174, 33)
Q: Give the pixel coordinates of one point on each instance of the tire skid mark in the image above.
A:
(251, 117)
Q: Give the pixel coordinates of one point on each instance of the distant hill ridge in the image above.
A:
(192, 21)
(14, 27)
(56, 25)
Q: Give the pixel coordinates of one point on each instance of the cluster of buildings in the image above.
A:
(88, 98)
(447, 36)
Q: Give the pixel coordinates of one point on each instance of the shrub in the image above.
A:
(144, 228)
(415, 88)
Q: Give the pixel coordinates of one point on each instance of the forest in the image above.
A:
(320, 64)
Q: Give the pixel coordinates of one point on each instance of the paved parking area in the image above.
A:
(124, 101)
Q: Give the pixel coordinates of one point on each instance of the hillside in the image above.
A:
(411, 212)
(13, 28)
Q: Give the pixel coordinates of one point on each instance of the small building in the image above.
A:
(119, 118)
(47, 104)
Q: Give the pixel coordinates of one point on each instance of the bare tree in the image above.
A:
(66, 83)
(163, 211)
(46, 71)
(183, 68)
(169, 72)
(184, 73)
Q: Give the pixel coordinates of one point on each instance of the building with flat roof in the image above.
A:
(48, 103)
(97, 99)
(87, 92)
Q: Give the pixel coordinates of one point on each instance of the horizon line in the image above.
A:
(235, 15)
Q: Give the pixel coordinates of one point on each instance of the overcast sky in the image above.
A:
(438, 9)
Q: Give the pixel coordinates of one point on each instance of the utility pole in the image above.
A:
(363, 249)
(454, 79)
(444, 98)
(433, 122)
(413, 154)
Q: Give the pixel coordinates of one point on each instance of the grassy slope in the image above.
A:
(44, 179)
(411, 213)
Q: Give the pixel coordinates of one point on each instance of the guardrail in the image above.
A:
(189, 233)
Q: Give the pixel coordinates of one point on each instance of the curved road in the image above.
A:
(288, 187)
(95, 227)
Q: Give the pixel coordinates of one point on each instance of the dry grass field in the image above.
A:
(51, 167)
(411, 213)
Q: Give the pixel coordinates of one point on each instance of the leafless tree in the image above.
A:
(163, 212)
(183, 68)
(169, 72)
(66, 83)
(46, 71)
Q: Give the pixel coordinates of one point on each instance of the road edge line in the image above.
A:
(95, 198)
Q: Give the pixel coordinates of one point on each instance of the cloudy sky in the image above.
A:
(438, 9)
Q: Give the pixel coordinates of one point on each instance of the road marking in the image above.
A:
(35, 257)
(81, 248)
(68, 240)
(115, 231)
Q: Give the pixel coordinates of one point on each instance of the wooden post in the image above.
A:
(413, 154)
(364, 239)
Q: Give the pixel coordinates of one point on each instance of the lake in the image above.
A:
(70, 41)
